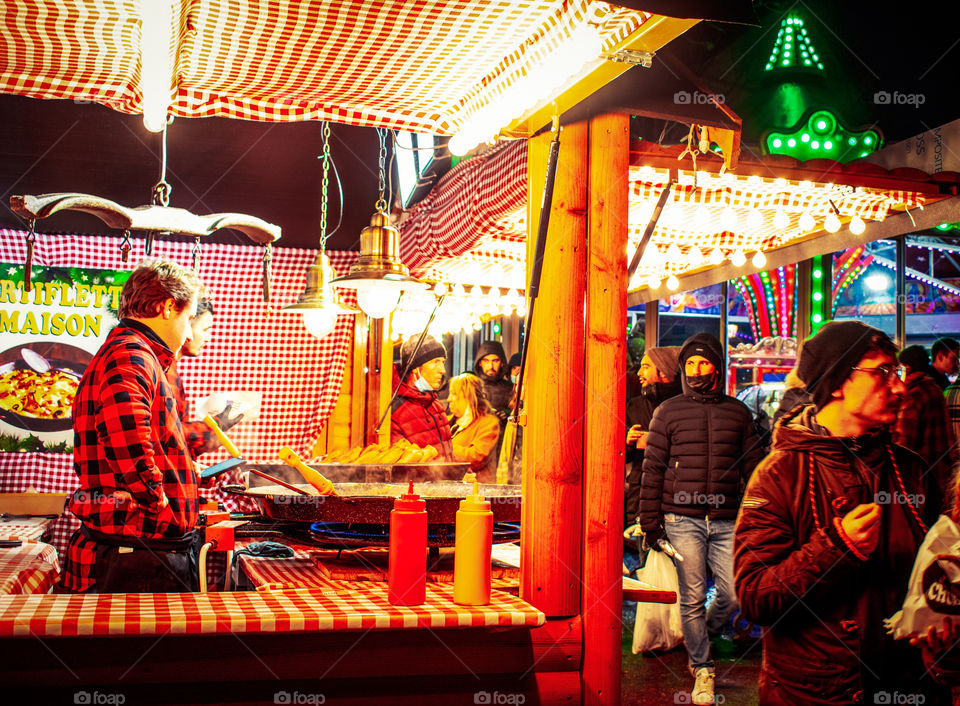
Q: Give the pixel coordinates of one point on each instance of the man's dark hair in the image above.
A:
(943, 346)
(205, 306)
(881, 345)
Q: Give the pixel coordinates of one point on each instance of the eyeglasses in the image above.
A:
(887, 372)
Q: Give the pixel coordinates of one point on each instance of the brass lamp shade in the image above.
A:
(379, 258)
(317, 295)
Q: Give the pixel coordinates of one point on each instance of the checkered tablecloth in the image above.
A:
(30, 528)
(251, 612)
(330, 569)
(30, 568)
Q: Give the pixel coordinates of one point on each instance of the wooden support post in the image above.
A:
(554, 384)
(604, 426)
(361, 334)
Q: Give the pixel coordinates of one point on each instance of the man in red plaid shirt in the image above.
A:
(138, 500)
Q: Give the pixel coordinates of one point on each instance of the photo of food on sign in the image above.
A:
(48, 335)
(38, 382)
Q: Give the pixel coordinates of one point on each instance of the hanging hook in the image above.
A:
(125, 247)
(381, 204)
(161, 190)
(28, 263)
(267, 256)
(148, 242)
(195, 251)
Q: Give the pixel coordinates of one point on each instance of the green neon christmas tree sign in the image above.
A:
(793, 48)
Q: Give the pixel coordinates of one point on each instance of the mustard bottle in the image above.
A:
(472, 545)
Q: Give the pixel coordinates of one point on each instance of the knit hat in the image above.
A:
(827, 358)
(430, 348)
(915, 358)
(666, 360)
(704, 345)
(514, 361)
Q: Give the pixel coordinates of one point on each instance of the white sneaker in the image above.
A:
(702, 692)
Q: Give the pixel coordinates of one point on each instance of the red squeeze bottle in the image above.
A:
(407, 574)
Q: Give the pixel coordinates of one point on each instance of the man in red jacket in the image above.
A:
(828, 529)
(138, 501)
(416, 414)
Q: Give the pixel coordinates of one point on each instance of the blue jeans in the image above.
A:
(702, 541)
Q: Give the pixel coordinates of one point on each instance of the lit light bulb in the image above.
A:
(728, 219)
(716, 256)
(739, 259)
(857, 226)
(672, 283)
(695, 255)
(759, 260)
(754, 219)
(378, 299)
(673, 253)
(831, 223)
(458, 291)
(440, 289)
(320, 322)
(807, 222)
(781, 220)
(653, 282)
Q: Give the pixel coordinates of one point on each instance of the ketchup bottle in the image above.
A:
(473, 543)
(407, 574)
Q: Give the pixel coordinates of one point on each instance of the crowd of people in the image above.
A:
(815, 538)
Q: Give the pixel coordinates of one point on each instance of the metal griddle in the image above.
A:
(371, 503)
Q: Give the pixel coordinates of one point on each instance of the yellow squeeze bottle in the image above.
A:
(472, 545)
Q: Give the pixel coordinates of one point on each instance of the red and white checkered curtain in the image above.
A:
(253, 347)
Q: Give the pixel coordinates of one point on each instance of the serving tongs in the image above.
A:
(238, 460)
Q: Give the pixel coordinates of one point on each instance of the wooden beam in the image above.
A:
(553, 438)
(653, 34)
(604, 425)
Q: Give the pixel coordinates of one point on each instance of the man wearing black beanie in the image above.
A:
(416, 413)
(828, 530)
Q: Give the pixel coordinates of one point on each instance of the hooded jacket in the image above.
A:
(826, 642)
(498, 391)
(700, 451)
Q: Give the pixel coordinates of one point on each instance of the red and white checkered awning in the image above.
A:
(420, 65)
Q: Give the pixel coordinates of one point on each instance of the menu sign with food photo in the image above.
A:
(47, 337)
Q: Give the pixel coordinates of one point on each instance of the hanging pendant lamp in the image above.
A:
(379, 275)
(319, 304)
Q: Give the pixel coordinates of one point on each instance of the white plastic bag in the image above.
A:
(934, 589)
(657, 626)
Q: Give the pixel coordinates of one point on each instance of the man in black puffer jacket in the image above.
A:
(701, 449)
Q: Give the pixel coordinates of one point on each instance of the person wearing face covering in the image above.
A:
(416, 413)
(701, 449)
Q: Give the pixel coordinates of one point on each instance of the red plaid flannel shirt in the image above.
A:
(129, 450)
